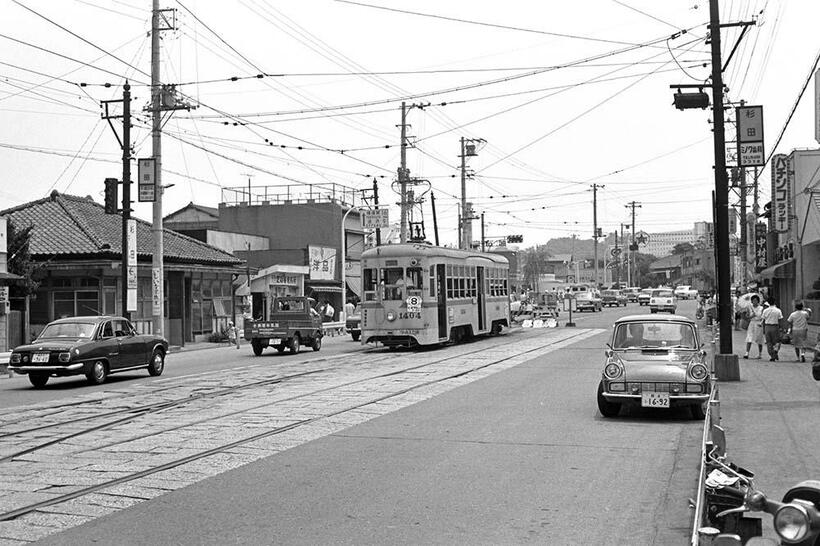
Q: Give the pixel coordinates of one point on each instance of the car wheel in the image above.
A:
(295, 344)
(157, 363)
(698, 411)
(607, 409)
(355, 335)
(317, 344)
(38, 380)
(257, 347)
(98, 373)
(280, 348)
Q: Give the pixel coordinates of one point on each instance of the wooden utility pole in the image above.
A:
(435, 219)
(126, 191)
(402, 172)
(376, 203)
(631, 257)
(157, 263)
(595, 227)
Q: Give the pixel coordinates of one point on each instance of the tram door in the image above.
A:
(441, 296)
(481, 310)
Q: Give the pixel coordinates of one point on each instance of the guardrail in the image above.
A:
(711, 421)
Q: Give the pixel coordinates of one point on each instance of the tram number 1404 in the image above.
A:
(409, 315)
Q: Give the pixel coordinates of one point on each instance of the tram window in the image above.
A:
(392, 282)
(369, 280)
(432, 281)
(505, 288)
(472, 288)
(415, 278)
(450, 288)
(462, 288)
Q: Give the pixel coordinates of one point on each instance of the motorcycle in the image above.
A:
(699, 310)
(731, 493)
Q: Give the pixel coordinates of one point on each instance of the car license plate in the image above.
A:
(655, 399)
(275, 341)
(40, 357)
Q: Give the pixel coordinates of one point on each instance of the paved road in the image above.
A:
(496, 441)
(17, 390)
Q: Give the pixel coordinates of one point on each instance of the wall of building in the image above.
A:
(231, 242)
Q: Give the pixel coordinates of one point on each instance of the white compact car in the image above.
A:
(662, 299)
(686, 292)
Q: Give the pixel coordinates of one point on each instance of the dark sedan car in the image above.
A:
(94, 346)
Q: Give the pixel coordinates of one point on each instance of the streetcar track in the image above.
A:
(160, 406)
(13, 514)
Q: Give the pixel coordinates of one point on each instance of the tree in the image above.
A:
(534, 263)
(642, 263)
(20, 263)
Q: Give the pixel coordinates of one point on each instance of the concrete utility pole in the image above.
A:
(482, 231)
(435, 219)
(631, 259)
(403, 175)
(743, 233)
(157, 262)
(126, 191)
(595, 234)
(465, 225)
(376, 204)
(725, 361)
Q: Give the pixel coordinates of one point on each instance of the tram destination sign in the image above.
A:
(375, 219)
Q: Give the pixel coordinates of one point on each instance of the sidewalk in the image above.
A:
(200, 345)
(771, 418)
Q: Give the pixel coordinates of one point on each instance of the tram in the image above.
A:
(419, 294)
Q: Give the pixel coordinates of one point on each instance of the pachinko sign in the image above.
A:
(781, 194)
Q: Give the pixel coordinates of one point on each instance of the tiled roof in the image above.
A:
(71, 225)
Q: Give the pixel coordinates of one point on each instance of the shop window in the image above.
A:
(88, 303)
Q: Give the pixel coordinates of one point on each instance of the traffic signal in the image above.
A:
(111, 195)
(600, 232)
(685, 101)
(515, 238)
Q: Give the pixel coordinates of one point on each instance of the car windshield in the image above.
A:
(75, 330)
(668, 335)
(609, 293)
(662, 294)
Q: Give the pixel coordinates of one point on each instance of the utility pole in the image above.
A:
(743, 233)
(595, 233)
(721, 204)
(468, 149)
(618, 258)
(376, 204)
(157, 262)
(435, 219)
(632, 246)
(403, 175)
(482, 231)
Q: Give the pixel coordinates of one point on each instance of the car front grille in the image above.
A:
(652, 387)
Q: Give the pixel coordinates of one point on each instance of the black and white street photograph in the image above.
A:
(365, 272)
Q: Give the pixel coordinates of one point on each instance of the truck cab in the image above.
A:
(292, 322)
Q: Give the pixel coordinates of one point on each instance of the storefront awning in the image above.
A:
(321, 289)
(354, 284)
(783, 270)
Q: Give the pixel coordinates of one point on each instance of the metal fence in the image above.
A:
(290, 194)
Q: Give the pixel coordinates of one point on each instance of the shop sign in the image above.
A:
(322, 262)
(282, 278)
(781, 194)
(760, 247)
(750, 152)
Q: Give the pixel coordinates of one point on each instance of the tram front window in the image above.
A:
(392, 282)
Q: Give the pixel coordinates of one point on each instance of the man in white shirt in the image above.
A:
(771, 329)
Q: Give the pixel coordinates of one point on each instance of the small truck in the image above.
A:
(292, 322)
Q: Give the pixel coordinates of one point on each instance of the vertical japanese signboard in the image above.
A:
(781, 194)
(132, 265)
(750, 152)
(147, 179)
(322, 263)
(817, 106)
(760, 247)
(156, 293)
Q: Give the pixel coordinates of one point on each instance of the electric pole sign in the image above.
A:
(147, 179)
(750, 151)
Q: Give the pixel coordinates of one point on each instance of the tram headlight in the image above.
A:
(391, 316)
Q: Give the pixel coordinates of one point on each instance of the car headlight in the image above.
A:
(612, 370)
(15, 358)
(64, 357)
(792, 523)
(698, 372)
(391, 316)
(25, 358)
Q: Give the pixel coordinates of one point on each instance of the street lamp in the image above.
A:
(343, 276)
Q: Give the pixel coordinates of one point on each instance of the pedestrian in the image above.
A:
(233, 334)
(350, 308)
(754, 332)
(771, 329)
(799, 329)
(327, 312)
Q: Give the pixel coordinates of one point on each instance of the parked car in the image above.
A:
(586, 301)
(644, 295)
(662, 299)
(95, 346)
(686, 292)
(353, 324)
(632, 293)
(654, 362)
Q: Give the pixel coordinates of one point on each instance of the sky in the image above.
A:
(563, 95)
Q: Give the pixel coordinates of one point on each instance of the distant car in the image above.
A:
(610, 298)
(632, 293)
(686, 292)
(353, 324)
(94, 346)
(662, 299)
(644, 295)
(654, 362)
(587, 301)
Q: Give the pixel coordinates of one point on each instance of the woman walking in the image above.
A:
(754, 333)
(799, 329)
